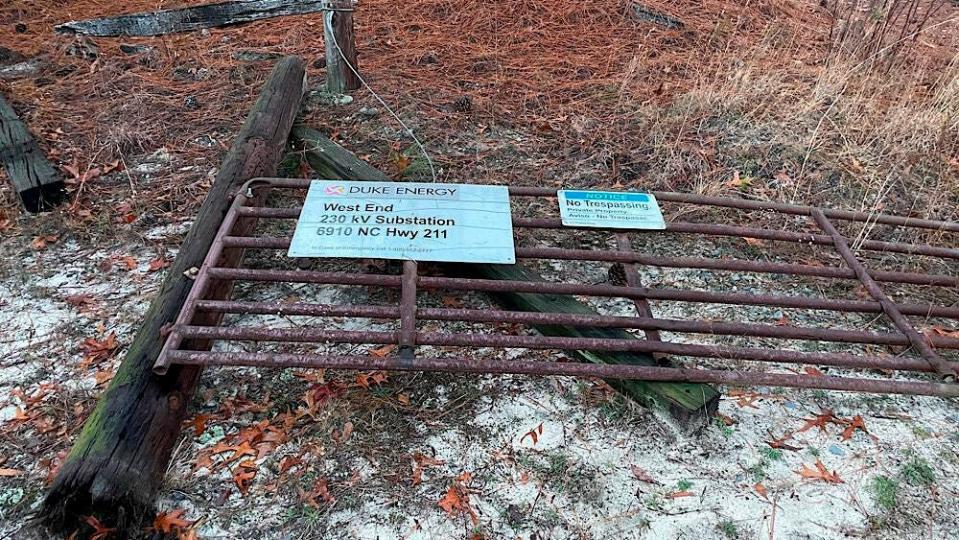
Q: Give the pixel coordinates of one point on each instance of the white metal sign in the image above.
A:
(610, 209)
(405, 220)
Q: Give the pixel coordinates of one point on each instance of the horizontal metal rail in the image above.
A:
(317, 335)
(728, 265)
(722, 202)
(611, 291)
(476, 364)
(684, 227)
(596, 321)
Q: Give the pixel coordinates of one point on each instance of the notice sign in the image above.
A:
(405, 220)
(610, 209)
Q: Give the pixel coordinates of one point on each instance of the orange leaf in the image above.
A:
(383, 351)
(642, 475)
(129, 262)
(679, 494)
(288, 463)
(157, 264)
(856, 423)
(199, 424)
(321, 489)
(761, 490)
(814, 371)
(822, 419)
(819, 473)
(169, 522)
(243, 478)
(40, 242)
(103, 376)
(452, 502)
(100, 531)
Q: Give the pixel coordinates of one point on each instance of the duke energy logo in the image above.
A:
(335, 190)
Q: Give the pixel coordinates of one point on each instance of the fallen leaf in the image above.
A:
(819, 473)
(199, 424)
(243, 477)
(157, 264)
(814, 371)
(761, 490)
(383, 351)
(679, 494)
(129, 262)
(641, 475)
(755, 242)
(781, 443)
(100, 531)
(345, 434)
(170, 522)
(321, 489)
(456, 500)
(96, 351)
(821, 420)
(79, 300)
(420, 462)
(451, 302)
(103, 376)
(40, 242)
(288, 463)
(856, 423)
(10, 472)
(726, 419)
(533, 434)
(403, 399)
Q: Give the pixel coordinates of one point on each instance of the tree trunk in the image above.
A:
(691, 404)
(36, 181)
(118, 460)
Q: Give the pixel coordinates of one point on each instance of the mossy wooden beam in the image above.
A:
(690, 403)
(117, 462)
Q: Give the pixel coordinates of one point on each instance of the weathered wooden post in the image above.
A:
(340, 44)
(118, 460)
(35, 180)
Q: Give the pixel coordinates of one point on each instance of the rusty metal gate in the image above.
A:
(907, 361)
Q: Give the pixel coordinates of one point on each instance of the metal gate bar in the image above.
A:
(410, 283)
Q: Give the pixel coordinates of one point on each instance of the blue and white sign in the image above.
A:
(610, 209)
(405, 220)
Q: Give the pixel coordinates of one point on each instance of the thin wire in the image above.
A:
(328, 22)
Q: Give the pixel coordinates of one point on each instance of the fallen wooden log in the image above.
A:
(188, 19)
(118, 460)
(36, 181)
(690, 403)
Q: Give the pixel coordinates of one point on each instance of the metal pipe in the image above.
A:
(618, 371)
(733, 265)
(568, 319)
(612, 291)
(684, 227)
(317, 335)
(917, 340)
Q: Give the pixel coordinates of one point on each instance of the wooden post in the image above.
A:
(691, 404)
(118, 460)
(338, 31)
(36, 181)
